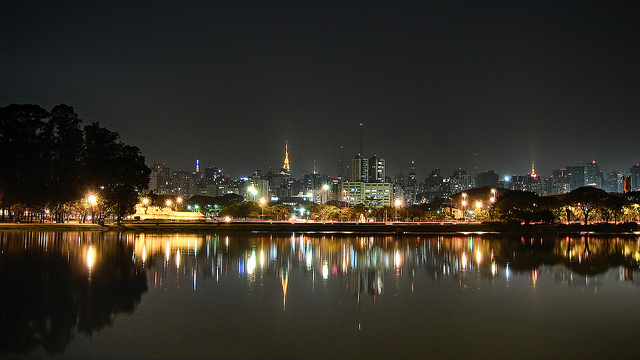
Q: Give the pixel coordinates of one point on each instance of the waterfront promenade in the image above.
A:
(393, 228)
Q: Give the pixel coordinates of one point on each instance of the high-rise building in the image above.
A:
(635, 177)
(487, 178)
(559, 182)
(593, 175)
(160, 179)
(377, 169)
(576, 174)
(359, 169)
(614, 182)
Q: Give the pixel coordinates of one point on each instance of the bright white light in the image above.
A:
(397, 259)
(325, 270)
(91, 256)
(251, 262)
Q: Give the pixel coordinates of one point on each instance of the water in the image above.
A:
(241, 295)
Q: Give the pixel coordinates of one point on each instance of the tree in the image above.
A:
(47, 160)
(64, 148)
(613, 206)
(281, 211)
(523, 206)
(22, 136)
(116, 171)
(587, 199)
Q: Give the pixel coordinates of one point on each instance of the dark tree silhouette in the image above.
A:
(47, 160)
(22, 133)
(115, 170)
(65, 145)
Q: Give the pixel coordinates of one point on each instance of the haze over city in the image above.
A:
(492, 86)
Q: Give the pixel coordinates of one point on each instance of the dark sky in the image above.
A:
(228, 82)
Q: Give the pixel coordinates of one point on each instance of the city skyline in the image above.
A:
(493, 86)
(422, 174)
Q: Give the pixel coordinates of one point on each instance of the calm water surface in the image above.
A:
(227, 295)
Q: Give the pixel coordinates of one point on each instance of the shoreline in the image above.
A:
(390, 228)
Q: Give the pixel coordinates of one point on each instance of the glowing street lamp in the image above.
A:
(398, 203)
(92, 200)
(262, 202)
(478, 208)
(168, 203)
(145, 203)
(492, 199)
(464, 205)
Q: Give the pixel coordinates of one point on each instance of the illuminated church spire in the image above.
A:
(286, 167)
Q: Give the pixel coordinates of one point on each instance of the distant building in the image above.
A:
(377, 169)
(487, 178)
(160, 179)
(359, 169)
(614, 182)
(635, 177)
(183, 184)
(586, 175)
(559, 182)
(374, 195)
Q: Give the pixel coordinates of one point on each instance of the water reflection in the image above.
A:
(57, 285)
(364, 263)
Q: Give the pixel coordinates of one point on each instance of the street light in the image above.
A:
(398, 203)
(492, 199)
(478, 207)
(262, 202)
(464, 205)
(145, 203)
(92, 200)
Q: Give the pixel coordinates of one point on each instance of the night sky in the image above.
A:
(490, 85)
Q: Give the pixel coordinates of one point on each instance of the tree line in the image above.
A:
(50, 164)
(585, 204)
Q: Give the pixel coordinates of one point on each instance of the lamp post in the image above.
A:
(262, 202)
(145, 203)
(398, 203)
(464, 206)
(478, 208)
(92, 200)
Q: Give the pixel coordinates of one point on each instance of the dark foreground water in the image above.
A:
(124, 295)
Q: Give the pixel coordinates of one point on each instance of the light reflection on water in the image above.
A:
(227, 295)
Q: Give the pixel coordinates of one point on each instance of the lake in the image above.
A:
(301, 295)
